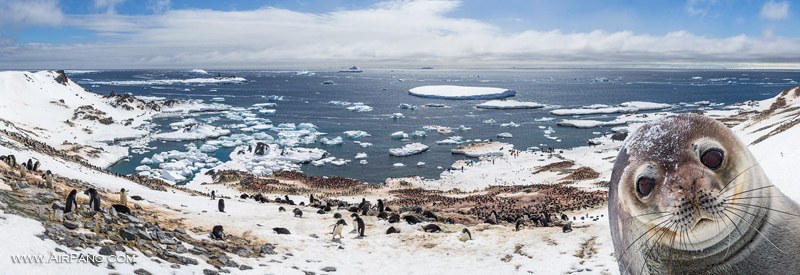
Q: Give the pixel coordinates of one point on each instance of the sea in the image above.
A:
(305, 99)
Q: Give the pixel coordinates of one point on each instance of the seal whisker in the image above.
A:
(764, 207)
(651, 213)
(641, 236)
(751, 190)
(723, 190)
(757, 231)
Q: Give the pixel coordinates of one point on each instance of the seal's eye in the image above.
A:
(712, 158)
(644, 186)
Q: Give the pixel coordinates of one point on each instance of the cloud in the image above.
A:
(109, 5)
(699, 7)
(30, 12)
(406, 33)
(774, 10)
(158, 6)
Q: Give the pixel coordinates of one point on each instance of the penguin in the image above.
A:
(564, 217)
(365, 208)
(567, 227)
(29, 165)
(281, 230)
(244, 196)
(361, 226)
(321, 212)
(428, 214)
(520, 222)
(338, 227)
(48, 179)
(23, 170)
(337, 216)
(392, 230)
(94, 199)
(36, 166)
(123, 197)
(281, 209)
(217, 233)
(432, 228)
(363, 201)
(310, 199)
(394, 217)
(410, 219)
(71, 201)
(465, 235)
(221, 205)
(297, 212)
(380, 206)
(213, 195)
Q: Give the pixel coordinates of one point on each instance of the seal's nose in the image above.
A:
(693, 180)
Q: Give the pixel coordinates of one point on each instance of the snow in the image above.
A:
(505, 135)
(460, 92)
(477, 150)
(199, 71)
(509, 104)
(408, 150)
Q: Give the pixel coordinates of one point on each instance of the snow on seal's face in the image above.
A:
(673, 189)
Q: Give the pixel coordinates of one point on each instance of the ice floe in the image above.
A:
(408, 149)
(509, 104)
(460, 92)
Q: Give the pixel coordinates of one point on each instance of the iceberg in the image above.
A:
(361, 156)
(408, 150)
(359, 107)
(333, 141)
(356, 134)
(505, 135)
(460, 92)
(398, 116)
(399, 135)
(398, 165)
(509, 104)
(580, 123)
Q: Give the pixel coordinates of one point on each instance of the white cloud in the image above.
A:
(774, 10)
(699, 7)
(30, 12)
(109, 5)
(394, 33)
(158, 6)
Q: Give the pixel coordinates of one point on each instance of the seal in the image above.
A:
(687, 197)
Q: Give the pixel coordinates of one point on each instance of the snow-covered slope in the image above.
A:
(62, 114)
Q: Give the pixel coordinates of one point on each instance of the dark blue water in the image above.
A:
(306, 100)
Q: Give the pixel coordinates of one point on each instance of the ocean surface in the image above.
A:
(307, 99)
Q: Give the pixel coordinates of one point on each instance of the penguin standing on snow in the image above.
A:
(221, 205)
(337, 229)
(213, 195)
(380, 206)
(360, 228)
(465, 235)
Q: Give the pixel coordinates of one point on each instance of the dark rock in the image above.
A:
(619, 136)
(141, 271)
(70, 216)
(309, 272)
(144, 235)
(90, 225)
(130, 219)
(136, 198)
(71, 224)
(243, 251)
(128, 233)
(315, 236)
(329, 269)
(62, 79)
(72, 242)
(186, 260)
(245, 267)
(198, 250)
(268, 249)
(210, 272)
(106, 250)
(165, 239)
(46, 197)
(180, 230)
(180, 248)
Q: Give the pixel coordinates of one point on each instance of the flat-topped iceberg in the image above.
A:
(580, 123)
(460, 92)
(359, 107)
(356, 134)
(408, 149)
(189, 81)
(625, 107)
(509, 104)
(192, 132)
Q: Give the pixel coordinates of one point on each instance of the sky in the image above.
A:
(316, 34)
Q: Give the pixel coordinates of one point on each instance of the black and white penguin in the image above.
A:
(29, 165)
(360, 227)
(365, 208)
(567, 227)
(217, 233)
(48, 179)
(213, 195)
(36, 166)
(519, 223)
(244, 196)
(380, 206)
(71, 201)
(297, 212)
(465, 235)
(363, 201)
(281, 230)
(392, 230)
(94, 199)
(432, 228)
(221, 205)
(338, 227)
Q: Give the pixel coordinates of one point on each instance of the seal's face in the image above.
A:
(673, 186)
